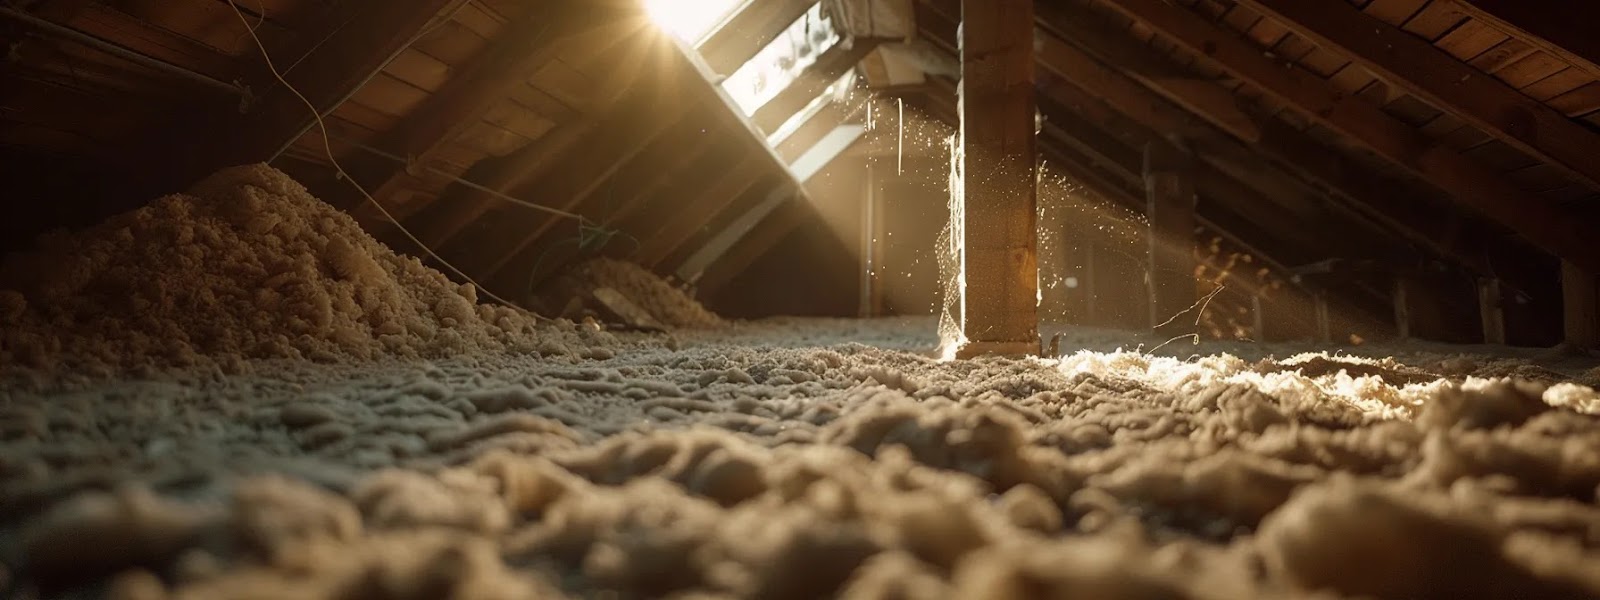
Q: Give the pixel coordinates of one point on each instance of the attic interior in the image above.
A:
(799, 298)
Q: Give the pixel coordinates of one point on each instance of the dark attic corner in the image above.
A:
(915, 299)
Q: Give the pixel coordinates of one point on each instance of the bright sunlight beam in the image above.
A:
(690, 20)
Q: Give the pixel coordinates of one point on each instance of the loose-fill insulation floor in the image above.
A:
(237, 393)
(802, 458)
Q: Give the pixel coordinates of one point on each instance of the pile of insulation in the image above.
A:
(245, 265)
(661, 301)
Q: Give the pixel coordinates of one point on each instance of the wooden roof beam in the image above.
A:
(698, 213)
(812, 161)
(355, 39)
(830, 66)
(646, 116)
(1471, 183)
(747, 32)
(1134, 93)
(533, 40)
(624, 196)
(1418, 67)
(1566, 33)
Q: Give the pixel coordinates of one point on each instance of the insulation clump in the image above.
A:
(663, 301)
(245, 265)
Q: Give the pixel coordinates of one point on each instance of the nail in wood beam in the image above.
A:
(1170, 202)
(999, 312)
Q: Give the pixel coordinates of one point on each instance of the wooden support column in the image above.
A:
(1170, 202)
(999, 313)
(869, 248)
(1579, 312)
(1491, 311)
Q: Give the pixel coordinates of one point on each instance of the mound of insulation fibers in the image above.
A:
(668, 304)
(245, 265)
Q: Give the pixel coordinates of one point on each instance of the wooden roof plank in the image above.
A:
(1565, 30)
(750, 30)
(1445, 82)
(829, 67)
(1469, 182)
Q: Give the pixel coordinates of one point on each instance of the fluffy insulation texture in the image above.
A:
(668, 304)
(245, 265)
(779, 461)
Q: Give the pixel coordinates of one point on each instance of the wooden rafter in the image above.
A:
(1566, 33)
(336, 61)
(446, 217)
(535, 39)
(612, 207)
(1415, 65)
(698, 213)
(1468, 181)
(830, 66)
(746, 33)
(644, 117)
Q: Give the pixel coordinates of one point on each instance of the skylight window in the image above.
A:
(691, 20)
(782, 61)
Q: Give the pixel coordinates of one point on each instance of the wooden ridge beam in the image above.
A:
(1565, 33)
(1415, 65)
(746, 33)
(830, 66)
(1470, 182)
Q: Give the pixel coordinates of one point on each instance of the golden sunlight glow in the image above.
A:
(690, 20)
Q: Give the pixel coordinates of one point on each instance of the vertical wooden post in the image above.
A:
(1000, 306)
(1490, 311)
(1402, 308)
(1324, 327)
(1170, 194)
(868, 247)
(1579, 314)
